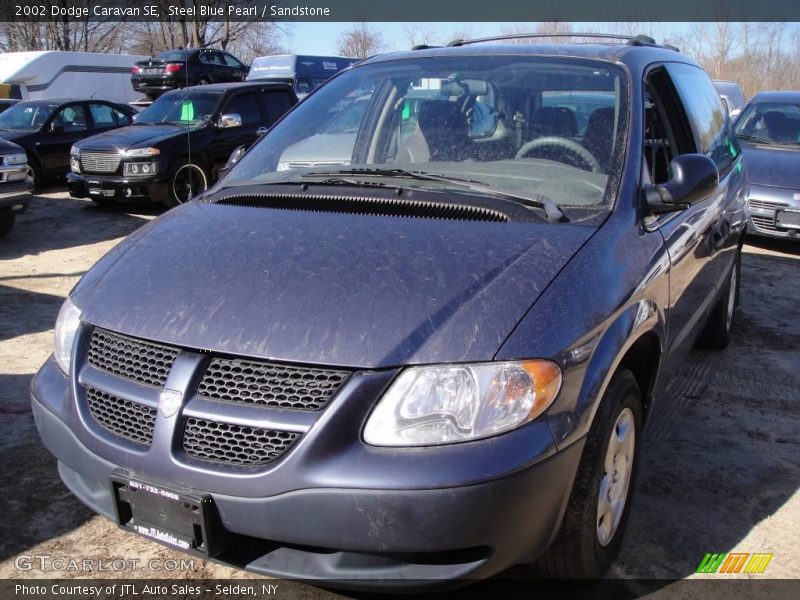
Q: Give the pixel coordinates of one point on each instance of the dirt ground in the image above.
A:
(720, 473)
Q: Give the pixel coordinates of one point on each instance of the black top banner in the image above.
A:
(403, 10)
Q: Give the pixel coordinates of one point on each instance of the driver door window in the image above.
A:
(70, 119)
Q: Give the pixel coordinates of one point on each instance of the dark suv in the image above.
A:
(181, 68)
(433, 360)
(178, 146)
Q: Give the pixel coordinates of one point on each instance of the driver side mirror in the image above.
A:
(693, 178)
(229, 120)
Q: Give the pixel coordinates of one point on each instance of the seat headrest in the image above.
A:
(553, 120)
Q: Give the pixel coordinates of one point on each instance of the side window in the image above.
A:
(231, 62)
(208, 57)
(246, 106)
(103, 116)
(71, 118)
(667, 132)
(303, 86)
(122, 118)
(707, 113)
(277, 104)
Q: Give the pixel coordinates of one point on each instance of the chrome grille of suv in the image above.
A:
(130, 420)
(766, 223)
(240, 445)
(764, 204)
(100, 161)
(145, 362)
(266, 384)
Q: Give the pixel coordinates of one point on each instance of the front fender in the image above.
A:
(571, 416)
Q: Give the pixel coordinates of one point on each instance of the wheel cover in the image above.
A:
(731, 299)
(188, 181)
(617, 470)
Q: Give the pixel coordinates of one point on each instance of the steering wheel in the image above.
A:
(561, 144)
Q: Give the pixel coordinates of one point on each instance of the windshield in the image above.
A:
(516, 124)
(25, 116)
(770, 123)
(186, 108)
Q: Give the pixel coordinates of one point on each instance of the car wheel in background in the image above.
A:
(202, 81)
(6, 221)
(34, 173)
(185, 182)
(594, 523)
(716, 334)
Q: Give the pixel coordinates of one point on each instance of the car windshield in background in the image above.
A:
(188, 109)
(526, 126)
(770, 123)
(29, 115)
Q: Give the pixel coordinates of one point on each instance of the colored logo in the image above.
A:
(734, 562)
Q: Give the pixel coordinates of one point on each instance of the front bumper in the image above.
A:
(763, 203)
(117, 187)
(342, 515)
(15, 196)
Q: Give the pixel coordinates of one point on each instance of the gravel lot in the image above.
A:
(720, 473)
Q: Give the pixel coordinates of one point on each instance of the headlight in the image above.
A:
(75, 152)
(134, 169)
(15, 159)
(140, 152)
(446, 404)
(69, 317)
(74, 164)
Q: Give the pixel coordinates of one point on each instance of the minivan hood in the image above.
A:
(326, 288)
(131, 136)
(772, 166)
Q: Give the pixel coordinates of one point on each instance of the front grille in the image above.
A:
(240, 445)
(765, 223)
(266, 384)
(124, 418)
(100, 161)
(764, 204)
(145, 362)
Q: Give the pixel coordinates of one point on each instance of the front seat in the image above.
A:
(779, 127)
(444, 128)
(553, 121)
(599, 135)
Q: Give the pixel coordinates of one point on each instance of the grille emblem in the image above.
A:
(169, 402)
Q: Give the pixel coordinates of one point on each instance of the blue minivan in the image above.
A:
(305, 73)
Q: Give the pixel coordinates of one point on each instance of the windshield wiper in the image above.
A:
(552, 210)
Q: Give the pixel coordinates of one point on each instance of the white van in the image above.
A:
(48, 75)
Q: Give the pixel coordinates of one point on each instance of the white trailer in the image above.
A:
(48, 75)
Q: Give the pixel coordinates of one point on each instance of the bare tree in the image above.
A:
(418, 34)
(361, 41)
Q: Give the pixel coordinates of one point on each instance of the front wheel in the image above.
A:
(594, 523)
(186, 181)
(6, 221)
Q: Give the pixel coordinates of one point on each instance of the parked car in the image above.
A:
(432, 363)
(177, 146)
(15, 187)
(769, 131)
(304, 73)
(46, 129)
(733, 96)
(181, 68)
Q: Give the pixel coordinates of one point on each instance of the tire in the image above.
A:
(202, 81)
(588, 541)
(716, 334)
(35, 174)
(6, 222)
(178, 192)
